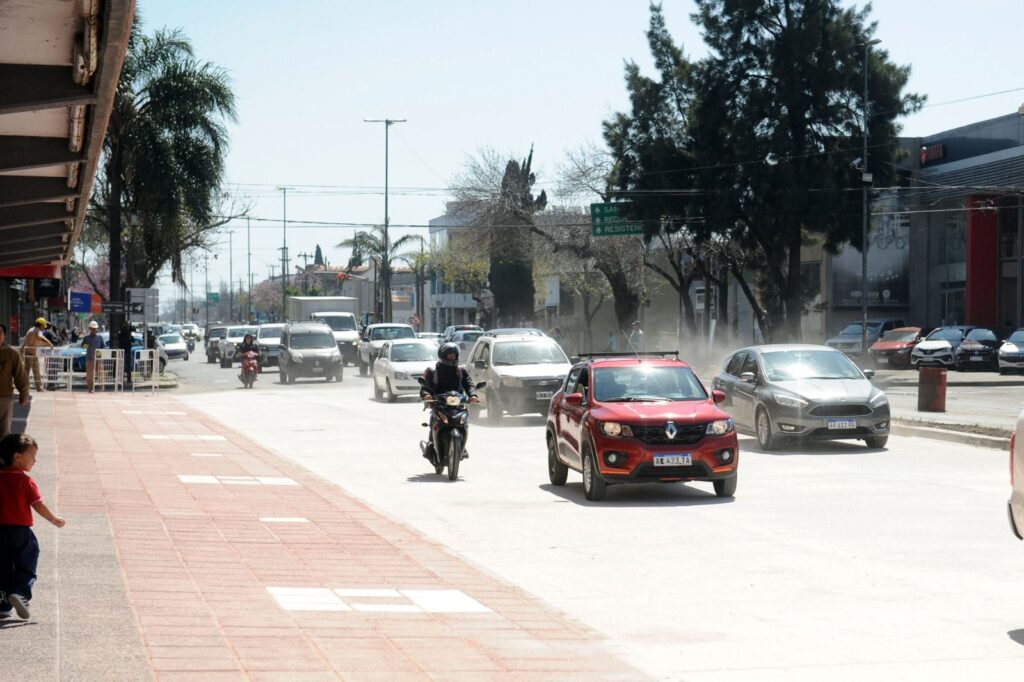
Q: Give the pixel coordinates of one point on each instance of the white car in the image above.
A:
(374, 337)
(174, 345)
(230, 343)
(1015, 507)
(345, 332)
(939, 347)
(1011, 353)
(399, 365)
(268, 340)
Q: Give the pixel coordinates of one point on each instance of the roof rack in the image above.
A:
(624, 354)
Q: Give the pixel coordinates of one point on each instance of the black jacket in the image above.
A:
(243, 349)
(443, 378)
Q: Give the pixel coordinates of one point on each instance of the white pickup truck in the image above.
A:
(346, 333)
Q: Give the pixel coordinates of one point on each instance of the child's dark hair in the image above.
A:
(14, 444)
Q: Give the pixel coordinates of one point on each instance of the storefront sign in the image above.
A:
(81, 302)
(931, 153)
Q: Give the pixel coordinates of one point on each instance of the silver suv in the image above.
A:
(522, 372)
(308, 349)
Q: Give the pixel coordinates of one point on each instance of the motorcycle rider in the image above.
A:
(248, 344)
(445, 376)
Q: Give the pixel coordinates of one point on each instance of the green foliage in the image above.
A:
(382, 251)
(754, 144)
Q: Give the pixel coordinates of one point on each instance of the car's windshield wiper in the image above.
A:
(636, 399)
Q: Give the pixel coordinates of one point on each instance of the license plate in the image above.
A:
(841, 424)
(544, 395)
(882, 361)
(674, 460)
(976, 358)
(317, 370)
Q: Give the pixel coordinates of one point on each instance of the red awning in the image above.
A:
(46, 271)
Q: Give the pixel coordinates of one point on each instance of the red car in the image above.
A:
(893, 349)
(633, 418)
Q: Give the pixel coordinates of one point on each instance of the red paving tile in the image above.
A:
(198, 561)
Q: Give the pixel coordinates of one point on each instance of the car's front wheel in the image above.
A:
(363, 368)
(763, 426)
(726, 487)
(876, 441)
(389, 392)
(557, 471)
(594, 486)
(495, 411)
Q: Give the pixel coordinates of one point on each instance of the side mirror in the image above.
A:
(574, 359)
(748, 377)
(869, 373)
(574, 399)
(718, 396)
(480, 364)
(482, 384)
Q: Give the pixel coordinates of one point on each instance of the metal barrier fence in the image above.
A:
(109, 369)
(56, 368)
(145, 369)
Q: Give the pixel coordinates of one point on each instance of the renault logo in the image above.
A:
(671, 431)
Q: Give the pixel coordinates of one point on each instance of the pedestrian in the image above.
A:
(613, 342)
(19, 550)
(91, 343)
(75, 336)
(636, 342)
(30, 345)
(125, 341)
(13, 375)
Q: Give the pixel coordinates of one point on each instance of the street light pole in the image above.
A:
(248, 254)
(284, 255)
(231, 274)
(385, 265)
(866, 179)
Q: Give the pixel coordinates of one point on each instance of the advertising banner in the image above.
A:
(888, 261)
(81, 301)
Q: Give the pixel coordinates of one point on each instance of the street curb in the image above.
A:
(903, 428)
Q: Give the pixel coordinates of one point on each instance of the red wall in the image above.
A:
(981, 297)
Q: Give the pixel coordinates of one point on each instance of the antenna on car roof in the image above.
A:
(629, 344)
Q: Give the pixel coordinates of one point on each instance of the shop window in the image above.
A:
(1008, 228)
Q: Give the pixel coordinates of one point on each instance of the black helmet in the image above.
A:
(445, 351)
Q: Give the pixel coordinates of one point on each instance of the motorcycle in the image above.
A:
(190, 343)
(250, 368)
(451, 419)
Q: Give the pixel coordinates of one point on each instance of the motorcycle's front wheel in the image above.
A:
(454, 455)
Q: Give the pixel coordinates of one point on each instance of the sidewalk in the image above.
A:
(191, 553)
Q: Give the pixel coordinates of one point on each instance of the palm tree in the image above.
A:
(382, 251)
(158, 192)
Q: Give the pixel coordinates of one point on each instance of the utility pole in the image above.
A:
(865, 179)
(248, 255)
(231, 274)
(206, 302)
(305, 270)
(386, 254)
(284, 254)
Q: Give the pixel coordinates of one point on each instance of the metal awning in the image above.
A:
(60, 61)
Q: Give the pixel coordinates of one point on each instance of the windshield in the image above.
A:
(947, 334)
(312, 341)
(854, 329)
(469, 336)
(170, 338)
(1017, 337)
(528, 353)
(388, 333)
(809, 364)
(981, 335)
(413, 352)
(270, 331)
(339, 323)
(642, 382)
(240, 332)
(217, 333)
(900, 335)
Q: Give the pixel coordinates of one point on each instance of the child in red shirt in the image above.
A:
(19, 550)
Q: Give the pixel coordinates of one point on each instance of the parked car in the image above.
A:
(77, 353)
(895, 346)
(268, 340)
(629, 419)
(230, 343)
(980, 349)
(802, 392)
(522, 372)
(399, 365)
(937, 349)
(429, 336)
(1015, 507)
(211, 341)
(450, 330)
(308, 349)
(174, 345)
(850, 339)
(375, 336)
(1011, 352)
(465, 339)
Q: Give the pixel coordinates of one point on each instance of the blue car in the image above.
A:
(77, 353)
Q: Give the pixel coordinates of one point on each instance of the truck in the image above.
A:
(338, 312)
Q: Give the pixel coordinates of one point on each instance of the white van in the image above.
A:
(346, 333)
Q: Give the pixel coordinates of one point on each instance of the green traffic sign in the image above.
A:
(606, 221)
(213, 297)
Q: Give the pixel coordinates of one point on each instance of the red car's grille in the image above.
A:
(654, 434)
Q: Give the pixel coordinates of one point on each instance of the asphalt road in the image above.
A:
(832, 563)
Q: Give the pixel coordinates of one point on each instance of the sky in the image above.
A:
(474, 74)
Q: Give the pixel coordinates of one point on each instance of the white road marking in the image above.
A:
(157, 412)
(206, 454)
(284, 519)
(237, 480)
(189, 436)
(418, 601)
